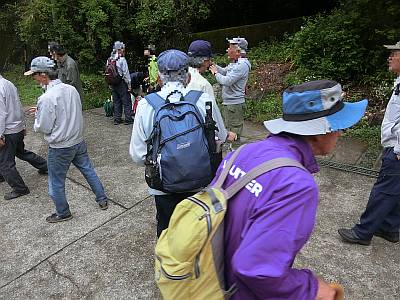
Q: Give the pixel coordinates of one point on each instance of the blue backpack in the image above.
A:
(178, 157)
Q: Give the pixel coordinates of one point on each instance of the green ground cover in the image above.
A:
(95, 89)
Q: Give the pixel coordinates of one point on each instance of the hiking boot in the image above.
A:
(2, 179)
(349, 236)
(14, 194)
(42, 172)
(103, 204)
(54, 218)
(392, 237)
(117, 122)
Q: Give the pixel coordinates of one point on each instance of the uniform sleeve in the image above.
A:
(72, 75)
(394, 118)
(3, 113)
(236, 73)
(124, 70)
(138, 146)
(221, 70)
(216, 114)
(45, 117)
(263, 261)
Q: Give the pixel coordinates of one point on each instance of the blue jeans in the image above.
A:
(58, 162)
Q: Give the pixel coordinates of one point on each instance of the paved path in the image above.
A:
(109, 254)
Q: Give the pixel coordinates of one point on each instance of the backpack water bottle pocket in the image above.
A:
(152, 174)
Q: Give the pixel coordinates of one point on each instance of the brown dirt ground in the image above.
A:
(269, 77)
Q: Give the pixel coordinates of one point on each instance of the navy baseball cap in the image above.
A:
(200, 48)
(314, 108)
(172, 60)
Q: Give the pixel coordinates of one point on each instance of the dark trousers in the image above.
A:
(15, 147)
(122, 101)
(383, 209)
(165, 205)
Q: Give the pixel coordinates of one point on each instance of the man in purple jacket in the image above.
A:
(270, 220)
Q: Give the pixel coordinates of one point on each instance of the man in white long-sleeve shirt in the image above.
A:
(382, 215)
(174, 76)
(199, 61)
(12, 132)
(59, 117)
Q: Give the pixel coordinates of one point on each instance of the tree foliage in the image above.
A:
(347, 43)
(167, 22)
(87, 28)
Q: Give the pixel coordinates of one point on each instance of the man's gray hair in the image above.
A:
(197, 62)
(242, 51)
(181, 76)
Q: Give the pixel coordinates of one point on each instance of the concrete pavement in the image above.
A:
(109, 254)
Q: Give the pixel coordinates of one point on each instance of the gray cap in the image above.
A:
(41, 64)
(241, 42)
(119, 45)
(393, 47)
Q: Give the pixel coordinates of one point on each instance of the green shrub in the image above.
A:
(267, 108)
(270, 51)
(28, 89)
(95, 90)
(346, 44)
(329, 46)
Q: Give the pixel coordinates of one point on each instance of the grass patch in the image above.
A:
(267, 108)
(95, 90)
(28, 89)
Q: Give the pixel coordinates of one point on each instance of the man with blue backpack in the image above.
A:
(171, 137)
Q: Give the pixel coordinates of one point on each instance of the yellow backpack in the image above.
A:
(189, 260)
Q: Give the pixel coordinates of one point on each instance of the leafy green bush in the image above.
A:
(28, 89)
(347, 43)
(270, 51)
(267, 108)
(328, 46)
(95, 90)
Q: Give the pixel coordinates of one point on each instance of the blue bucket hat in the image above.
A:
(316, 107)
(200, 48)
(172, 60)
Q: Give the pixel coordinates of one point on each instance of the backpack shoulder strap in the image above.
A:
(155, 100)
(193, 96)
(224, 173)
(259, 170)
